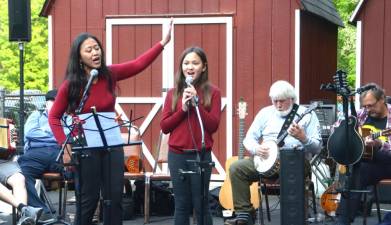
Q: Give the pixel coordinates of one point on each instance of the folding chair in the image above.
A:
(161, 175)
(62, 197)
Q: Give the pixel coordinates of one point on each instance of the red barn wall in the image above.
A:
(263, 46)
(376, 43)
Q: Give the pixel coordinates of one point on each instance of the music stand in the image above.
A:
(97, 131)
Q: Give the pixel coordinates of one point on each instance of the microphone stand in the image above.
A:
(107, 201)
(79, 154)
(202, 164)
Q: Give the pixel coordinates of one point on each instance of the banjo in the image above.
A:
(270, 166)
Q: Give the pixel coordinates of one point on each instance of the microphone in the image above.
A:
(188, 81)
(365, 88)
(93, 74)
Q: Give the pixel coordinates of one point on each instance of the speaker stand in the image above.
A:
(21, 96)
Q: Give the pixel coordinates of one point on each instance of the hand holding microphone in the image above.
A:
(189, 94)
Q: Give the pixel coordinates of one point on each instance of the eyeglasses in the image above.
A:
(370, 105)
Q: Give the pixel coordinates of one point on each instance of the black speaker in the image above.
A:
(292, 187)
(19, 16)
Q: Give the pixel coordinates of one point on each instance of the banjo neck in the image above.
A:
(280, 140)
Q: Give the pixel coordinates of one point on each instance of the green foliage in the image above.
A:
(35, 52)
(347, 40)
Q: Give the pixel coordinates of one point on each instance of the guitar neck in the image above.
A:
(241, 138)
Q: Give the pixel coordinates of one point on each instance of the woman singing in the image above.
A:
(101, 166)
(181, 121)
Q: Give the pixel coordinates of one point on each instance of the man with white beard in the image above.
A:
(267, 126)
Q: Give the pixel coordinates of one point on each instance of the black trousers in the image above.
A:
(363, 175)
(101, 171)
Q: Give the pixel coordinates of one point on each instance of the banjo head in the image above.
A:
(264, 165)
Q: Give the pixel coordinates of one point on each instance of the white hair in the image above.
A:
(282, 90)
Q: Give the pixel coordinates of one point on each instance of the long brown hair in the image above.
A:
(201, 82)
(76, 76)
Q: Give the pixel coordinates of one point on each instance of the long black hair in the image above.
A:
(75, 73)
(201, 81)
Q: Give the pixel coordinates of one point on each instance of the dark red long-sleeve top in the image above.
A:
(176, 122)
(99, 96)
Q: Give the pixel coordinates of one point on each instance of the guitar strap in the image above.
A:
(288, 122)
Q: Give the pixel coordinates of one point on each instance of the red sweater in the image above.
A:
(100, 96)
(176, 123)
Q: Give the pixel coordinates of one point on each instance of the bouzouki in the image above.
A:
(345, 144)
(373, 133)
(271, 165)
(338, 144)
(225, 195)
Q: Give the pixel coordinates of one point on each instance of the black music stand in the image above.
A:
(98, 142)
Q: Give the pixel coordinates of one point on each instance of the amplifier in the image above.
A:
(326, 115)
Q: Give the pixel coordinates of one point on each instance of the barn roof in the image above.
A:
(356, 12)
(46, 8)
(323, 8)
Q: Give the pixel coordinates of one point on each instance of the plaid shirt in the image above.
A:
(362, 116)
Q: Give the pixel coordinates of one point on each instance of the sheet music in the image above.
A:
(91, 133)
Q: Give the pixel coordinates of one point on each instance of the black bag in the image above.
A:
(127, 202)
(214, 204)
(160, 196)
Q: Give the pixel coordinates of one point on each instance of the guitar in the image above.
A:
(330, 198)
(374, 133)
(270, 166)
(225, 195)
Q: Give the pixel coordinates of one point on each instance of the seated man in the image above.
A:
(375, 112)
(41, 150)
(266, 126)
(10, 176)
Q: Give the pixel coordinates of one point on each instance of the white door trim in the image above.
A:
(168, 69)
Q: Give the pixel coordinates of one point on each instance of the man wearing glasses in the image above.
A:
(374, 116)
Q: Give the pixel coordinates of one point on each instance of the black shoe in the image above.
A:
(341, 221)
(241, 219)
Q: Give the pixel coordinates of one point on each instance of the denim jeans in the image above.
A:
(34, 163)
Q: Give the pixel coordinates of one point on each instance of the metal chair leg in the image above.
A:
(267, 203)
(376, 193)
(60, 218)
(260, 209)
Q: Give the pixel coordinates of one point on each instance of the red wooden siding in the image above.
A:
(318, 61)
(376, 43)
(263, 48)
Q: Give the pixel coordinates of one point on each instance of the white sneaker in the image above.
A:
(29, 215)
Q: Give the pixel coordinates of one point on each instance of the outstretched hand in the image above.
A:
(167, 37)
